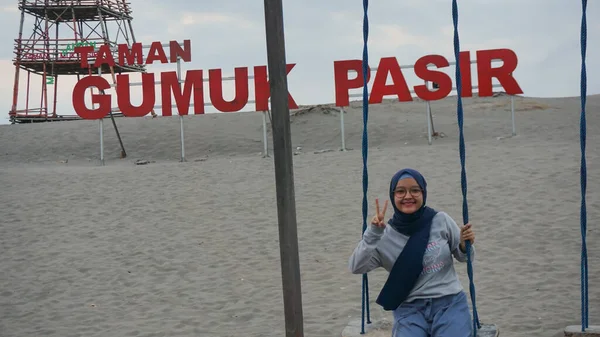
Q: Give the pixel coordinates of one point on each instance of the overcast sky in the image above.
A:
(225, 34)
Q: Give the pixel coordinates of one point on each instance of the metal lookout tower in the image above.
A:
(48, 33)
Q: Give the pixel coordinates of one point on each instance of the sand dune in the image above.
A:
(191, 249)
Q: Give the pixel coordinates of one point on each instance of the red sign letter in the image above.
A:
(442, 79)
(124, 97)
(215, 81)
(193, 83)
(485, 72)
(389, 65)
(103, 100)
(176, 51)
(343, 84)
(83, 52)
(156, 52)
(132, 57)
(262, 89)
(464, 60)
(104, 56)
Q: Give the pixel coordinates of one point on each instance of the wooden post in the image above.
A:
(284, 175)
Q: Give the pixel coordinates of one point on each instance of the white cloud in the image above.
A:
(215, 19)
(390, 37)
(9, 9)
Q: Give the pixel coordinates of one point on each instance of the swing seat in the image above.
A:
(382, 327)
(379, 327)
(488, 330)
(575, 331)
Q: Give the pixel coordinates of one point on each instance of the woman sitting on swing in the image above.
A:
(422, 288)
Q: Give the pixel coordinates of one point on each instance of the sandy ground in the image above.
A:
(191, 249)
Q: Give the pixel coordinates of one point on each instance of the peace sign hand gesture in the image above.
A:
(377, 220)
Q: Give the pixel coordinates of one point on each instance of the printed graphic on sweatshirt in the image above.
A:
(431, 260)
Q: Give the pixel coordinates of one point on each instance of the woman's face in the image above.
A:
(408, 196)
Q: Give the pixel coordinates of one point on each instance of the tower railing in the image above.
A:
(121, 6)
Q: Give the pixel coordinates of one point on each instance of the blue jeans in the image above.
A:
(446, 316)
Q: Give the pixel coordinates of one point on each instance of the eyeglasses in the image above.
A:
(414, 191)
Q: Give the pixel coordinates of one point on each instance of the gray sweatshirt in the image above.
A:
(380, 247)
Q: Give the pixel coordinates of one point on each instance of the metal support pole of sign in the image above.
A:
(264, 128)
(101, 123)
(180, 115)
(284, 172)
(428, 116)
(342, 128)
(101, 127)
(512, 113)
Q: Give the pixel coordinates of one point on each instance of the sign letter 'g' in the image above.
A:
(103, 100)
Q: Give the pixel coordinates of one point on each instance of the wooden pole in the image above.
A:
(284, 175)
